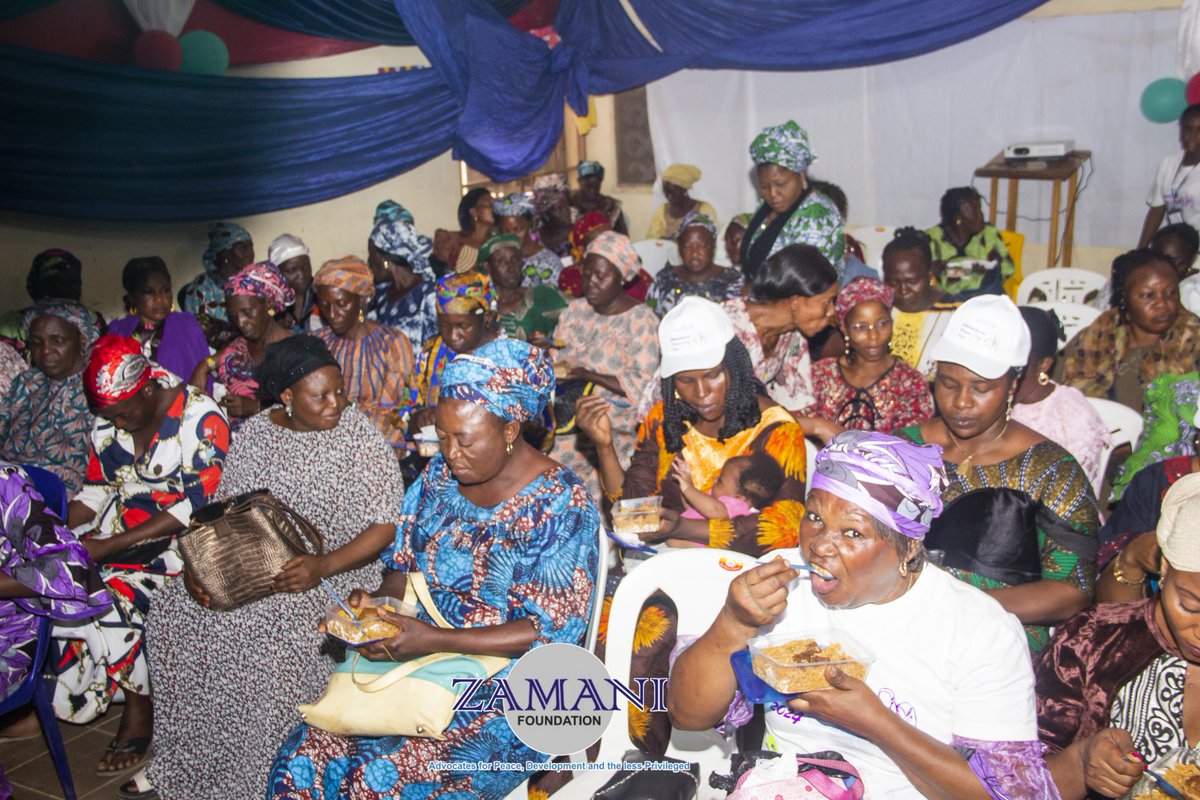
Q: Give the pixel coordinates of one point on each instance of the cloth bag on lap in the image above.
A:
(412, 698)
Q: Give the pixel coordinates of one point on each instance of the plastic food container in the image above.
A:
(427, 442)
(639, 515)
(795, 662)
(371, 628)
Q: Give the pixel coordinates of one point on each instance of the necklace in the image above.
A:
(962, 465)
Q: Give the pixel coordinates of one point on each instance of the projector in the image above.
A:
(1041, 151)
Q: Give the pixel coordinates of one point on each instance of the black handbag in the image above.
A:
(637, 784)
(566, 395)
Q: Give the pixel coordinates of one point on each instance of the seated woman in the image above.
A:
(488, 506)
(253, 299)
(1114, 694)
(667, 220)
(791, 212)
(45, 420)
(229, 249)
(466, 321)
(791, 298)
(610, 341)
(172, 339)
(1145, 334)
(970, 254)
(290, 256)
(585, 229)
(697, 275)
(947, 709)
(922, 310)
(514, 216)
(713, 410)
(405, 285)
(55, 274)
(158, 449)
(587, 198)
(459, 249)
(377, 361)
(868, 388)
(552, 213)
(299, 448)
(1020, 519)
(1060, 413)
(735, 232)
(525, 312)
(1179, 244)
(46, 572)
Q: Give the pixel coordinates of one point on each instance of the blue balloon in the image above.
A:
(1162, 101)
(204, 53)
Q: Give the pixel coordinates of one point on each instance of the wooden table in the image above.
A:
(1066, 169)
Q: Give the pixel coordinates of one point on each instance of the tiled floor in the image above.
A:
(27, 763)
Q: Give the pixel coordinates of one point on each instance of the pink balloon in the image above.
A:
(1192, 92)
(158, 50)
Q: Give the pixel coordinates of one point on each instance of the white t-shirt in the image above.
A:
(948, 659)
(1178, 188)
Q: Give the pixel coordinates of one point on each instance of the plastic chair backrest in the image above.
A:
(50, 487)
(873, 239)
(1123, 423)
(656, 254)
(593, 629)
(1061, 285)
(697, 579)
(1073, 316)
(1014, 243)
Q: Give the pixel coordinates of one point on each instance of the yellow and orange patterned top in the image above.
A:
(777, 435)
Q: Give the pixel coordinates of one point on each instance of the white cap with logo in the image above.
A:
(693, 335)
(285, 248)
(987, 335)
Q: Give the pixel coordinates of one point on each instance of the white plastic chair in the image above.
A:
(697, 580)
(1073, 316)
(593, 630)
(1061, 284)
(1123, 423)
(656, 254)
(873, 238)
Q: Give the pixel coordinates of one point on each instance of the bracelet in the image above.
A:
(1120, 576)
(211, 361)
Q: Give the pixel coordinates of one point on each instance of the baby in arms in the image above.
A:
(745, 485)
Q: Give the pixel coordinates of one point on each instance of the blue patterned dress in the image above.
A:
(414, 314)
(532, 557)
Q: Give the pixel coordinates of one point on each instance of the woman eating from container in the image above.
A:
(946, 710)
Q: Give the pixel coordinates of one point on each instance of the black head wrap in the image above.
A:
(1045, 331)
(288, 361)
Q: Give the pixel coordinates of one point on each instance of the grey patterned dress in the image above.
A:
(226, 684)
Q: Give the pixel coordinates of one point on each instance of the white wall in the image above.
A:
(895, 136)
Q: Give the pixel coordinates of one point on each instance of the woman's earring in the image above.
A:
(361, 316)
(288, 409)
(508, 447)
(677, 397)
(1043, 378)
(933, 280)
(847, 349)
(903, 569)
(889, 346)
(1008, 411)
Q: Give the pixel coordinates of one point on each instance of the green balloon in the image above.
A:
(204, 53)
(1162, 101)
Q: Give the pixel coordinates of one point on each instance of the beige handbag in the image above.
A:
(412, 698)
(235, 548)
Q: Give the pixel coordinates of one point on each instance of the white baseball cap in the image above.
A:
(1178, 531)
(693, 335)
(285, 248)
(987, 335)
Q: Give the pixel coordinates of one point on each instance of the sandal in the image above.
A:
(138, 788)
(138, 745)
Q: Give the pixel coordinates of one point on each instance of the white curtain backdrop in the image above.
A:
(896, 136)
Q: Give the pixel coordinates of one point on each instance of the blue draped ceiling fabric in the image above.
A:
(90, 140)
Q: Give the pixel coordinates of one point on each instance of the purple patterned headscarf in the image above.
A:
(895, 481)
